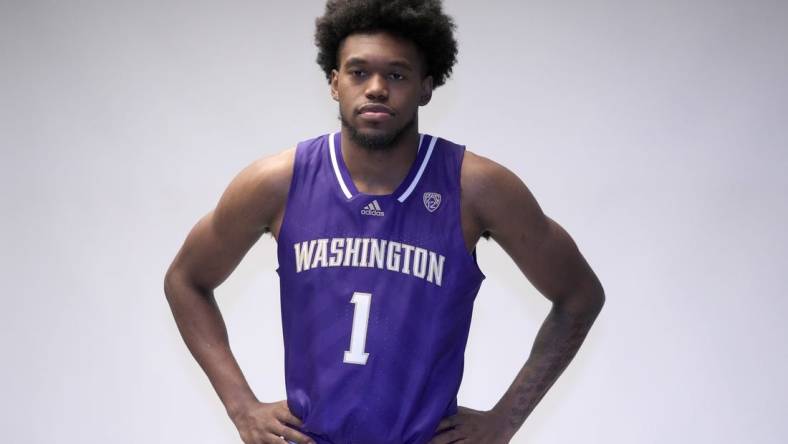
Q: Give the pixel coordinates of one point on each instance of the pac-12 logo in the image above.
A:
(432, 201)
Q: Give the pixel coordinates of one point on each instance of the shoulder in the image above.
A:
(273, 171)
(479, 171)
(483, 179)
(493, 193)
(259, 191)
(271, 174)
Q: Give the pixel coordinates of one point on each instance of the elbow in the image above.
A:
(597, 302)
(169, 285)
(180, 287)
(173, 281)
(594, 297)
(586, 300)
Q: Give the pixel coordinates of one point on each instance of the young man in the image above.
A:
(376, 227)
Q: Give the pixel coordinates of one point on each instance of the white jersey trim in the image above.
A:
(336, 165)
(421, 170)
(407, 192)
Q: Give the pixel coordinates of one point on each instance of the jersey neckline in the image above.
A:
(403, 190)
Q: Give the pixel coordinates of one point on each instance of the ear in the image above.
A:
(426, 91)
(335, 84)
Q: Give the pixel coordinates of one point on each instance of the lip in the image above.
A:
(375, 109)
(375, 117)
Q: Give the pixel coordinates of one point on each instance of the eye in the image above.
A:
(356, 72)
(397, 76)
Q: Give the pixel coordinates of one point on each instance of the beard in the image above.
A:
(380, 141)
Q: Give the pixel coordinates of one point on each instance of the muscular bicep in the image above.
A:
(541, 248)
(246, 209)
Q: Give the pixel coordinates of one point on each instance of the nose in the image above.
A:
(377, 88)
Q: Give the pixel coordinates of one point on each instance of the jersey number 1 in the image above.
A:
(358, 337)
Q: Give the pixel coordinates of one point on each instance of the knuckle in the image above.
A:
(293, 435)
(452, 435)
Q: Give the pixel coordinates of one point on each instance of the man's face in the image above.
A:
(379, 86)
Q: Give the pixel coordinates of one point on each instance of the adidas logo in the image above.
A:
(372, 209)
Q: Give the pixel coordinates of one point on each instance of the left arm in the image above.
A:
(548, 257)
(576, 303)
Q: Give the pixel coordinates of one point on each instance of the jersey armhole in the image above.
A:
(290, 193)
(469, 257)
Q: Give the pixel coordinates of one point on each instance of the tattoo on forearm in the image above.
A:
(556, 344)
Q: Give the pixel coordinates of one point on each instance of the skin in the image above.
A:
(379, 69)
(494, 201)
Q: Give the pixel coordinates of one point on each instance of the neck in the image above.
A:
(380, 171)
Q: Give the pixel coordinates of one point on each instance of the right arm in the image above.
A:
(252, 204)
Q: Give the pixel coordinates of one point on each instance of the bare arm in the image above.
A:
(248, 208)
(550, 260)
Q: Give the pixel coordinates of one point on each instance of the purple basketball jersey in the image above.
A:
(377, 293)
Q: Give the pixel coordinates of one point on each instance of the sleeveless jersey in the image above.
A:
(377, 293)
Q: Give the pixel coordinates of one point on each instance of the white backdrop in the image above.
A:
(654, 132)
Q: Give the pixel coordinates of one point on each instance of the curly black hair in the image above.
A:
(420, 21)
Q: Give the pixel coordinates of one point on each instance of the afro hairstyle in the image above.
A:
(420, 21)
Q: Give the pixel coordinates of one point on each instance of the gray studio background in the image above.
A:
(654, 132)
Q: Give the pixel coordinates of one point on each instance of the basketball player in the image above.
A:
(376, 226)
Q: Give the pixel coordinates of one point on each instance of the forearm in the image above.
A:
(203, 330)
(556, 343)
